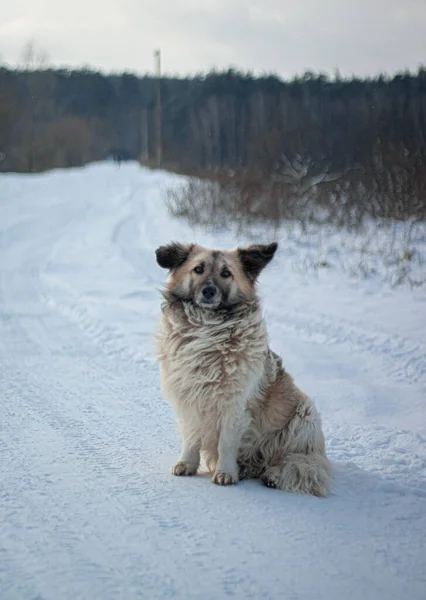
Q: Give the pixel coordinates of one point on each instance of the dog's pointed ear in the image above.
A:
(255, 258)
(173, 255)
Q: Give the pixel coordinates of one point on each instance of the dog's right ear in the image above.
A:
(173, 255)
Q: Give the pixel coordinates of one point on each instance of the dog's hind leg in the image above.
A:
(303, 466)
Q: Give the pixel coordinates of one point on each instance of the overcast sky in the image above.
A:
(362, 37)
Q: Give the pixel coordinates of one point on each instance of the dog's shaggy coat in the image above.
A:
(234, 401)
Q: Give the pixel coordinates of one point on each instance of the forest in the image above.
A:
(358, 142)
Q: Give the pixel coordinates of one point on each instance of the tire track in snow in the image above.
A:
(94, 471)
(404, 359)
(108, 339)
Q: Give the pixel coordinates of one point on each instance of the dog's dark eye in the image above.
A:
(199, 270)
(225, 273)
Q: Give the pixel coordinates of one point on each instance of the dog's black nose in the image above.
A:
(209, 292)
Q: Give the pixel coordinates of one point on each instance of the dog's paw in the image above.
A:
(221, 478)
(271, 477)
(181, 468)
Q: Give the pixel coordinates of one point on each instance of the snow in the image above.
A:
(88, 509)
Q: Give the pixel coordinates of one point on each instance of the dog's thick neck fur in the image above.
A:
(207, 345)
(209, 332)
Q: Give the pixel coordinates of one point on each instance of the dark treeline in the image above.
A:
(353, 139)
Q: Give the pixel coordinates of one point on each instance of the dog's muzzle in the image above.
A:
(209, 296)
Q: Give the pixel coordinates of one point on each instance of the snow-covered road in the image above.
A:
(88, 509)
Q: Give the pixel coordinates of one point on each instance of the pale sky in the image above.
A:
(361, 37)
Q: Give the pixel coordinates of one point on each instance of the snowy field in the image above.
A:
(88, 509)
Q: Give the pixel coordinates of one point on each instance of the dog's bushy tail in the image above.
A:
(303, 465)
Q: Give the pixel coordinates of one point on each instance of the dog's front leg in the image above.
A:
(189, 460)
(233, 424)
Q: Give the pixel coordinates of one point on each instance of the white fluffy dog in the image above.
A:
(234, 401)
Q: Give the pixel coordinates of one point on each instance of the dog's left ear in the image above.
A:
(255, 258)
(173, 255)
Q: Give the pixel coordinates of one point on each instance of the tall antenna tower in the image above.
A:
(158, 120)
